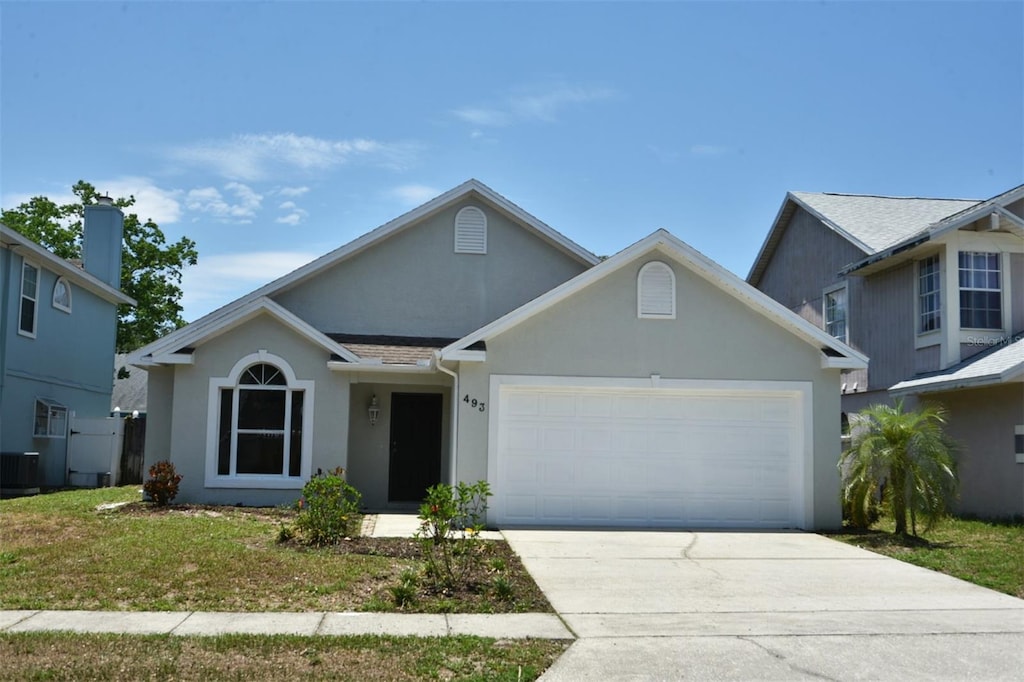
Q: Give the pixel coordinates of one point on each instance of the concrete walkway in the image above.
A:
(499, 626)
(757, 606)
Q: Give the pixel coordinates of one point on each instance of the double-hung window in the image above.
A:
(27, 312)
(836, 313)
(929, 296)
(980, 291)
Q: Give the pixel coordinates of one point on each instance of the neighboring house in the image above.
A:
(933, 291)
(58, 325)
(130, 385)
(467, 340)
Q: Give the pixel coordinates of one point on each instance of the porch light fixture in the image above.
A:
(373, 410)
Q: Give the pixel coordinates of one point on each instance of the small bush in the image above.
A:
(329, 509)
(285, 534)
(450, 523)
(404, 593)
(502, 587)
(162, 486)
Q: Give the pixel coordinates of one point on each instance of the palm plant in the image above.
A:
(903, 460)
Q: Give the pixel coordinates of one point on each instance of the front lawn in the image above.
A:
(66, 656)
(64, 551)
(987, 553)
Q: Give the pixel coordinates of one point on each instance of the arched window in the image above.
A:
(62, 295)
(263, 422)
(656, 291)
(471, 231)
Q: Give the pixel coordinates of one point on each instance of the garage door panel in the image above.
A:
(601, 456)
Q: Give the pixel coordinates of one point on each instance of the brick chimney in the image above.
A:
(101, 241)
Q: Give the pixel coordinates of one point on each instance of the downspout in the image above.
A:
(455, 417)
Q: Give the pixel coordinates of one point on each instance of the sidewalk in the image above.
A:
(205, 623)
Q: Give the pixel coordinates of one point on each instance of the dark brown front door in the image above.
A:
(415, 445)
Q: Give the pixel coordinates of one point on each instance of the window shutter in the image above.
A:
(656, 291)
(470, 231)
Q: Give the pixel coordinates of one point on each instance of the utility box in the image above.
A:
(19, 473)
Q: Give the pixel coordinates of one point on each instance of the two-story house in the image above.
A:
(58, 322)
(933, 291)
(467, 340)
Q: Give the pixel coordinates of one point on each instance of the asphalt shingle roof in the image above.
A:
(878, 222)
(988, 367)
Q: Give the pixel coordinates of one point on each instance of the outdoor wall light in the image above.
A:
(373, 410)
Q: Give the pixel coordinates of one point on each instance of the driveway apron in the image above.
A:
(763, 605)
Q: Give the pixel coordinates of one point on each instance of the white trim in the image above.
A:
(174, 359)
(467, 356)
(643, 289)
(67, 288)
(214, 325)
(378, 366)
(700, 264)
(802, 391)
(832, 362)
(34, 297)
(212, 478)
(19, 244)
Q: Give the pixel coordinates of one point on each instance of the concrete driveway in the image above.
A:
(742, 606)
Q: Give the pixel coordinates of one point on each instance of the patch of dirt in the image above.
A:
(273, 514)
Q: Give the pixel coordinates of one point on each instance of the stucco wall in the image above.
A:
(414, 284)
(190, 408)
(983, 421)
(369, 446)
(714, 336)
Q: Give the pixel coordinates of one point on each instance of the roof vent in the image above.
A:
(471, 231)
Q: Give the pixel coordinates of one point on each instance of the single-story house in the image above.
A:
(467, 340)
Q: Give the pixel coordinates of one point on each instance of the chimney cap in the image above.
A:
(104, 200)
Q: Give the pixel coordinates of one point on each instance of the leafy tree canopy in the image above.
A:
(150, 267)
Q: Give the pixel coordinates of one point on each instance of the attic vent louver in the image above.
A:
(656, 291)
(470, 231)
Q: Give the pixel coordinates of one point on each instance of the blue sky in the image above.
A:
(273, 132)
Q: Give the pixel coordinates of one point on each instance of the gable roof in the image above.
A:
(360, 244)
(976, 211)
(835, 352)
(998, 365)
(871, 223)
(19, 243)
(177, 342)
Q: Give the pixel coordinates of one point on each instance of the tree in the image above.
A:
(150, 267)
(906, 458)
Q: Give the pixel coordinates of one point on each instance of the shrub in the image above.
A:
(329, 509)
(162, 486)
(404, 593)
(450, 523)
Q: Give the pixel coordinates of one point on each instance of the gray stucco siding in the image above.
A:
(596, 333)
(190, 407)
(1017, 291)
(414, 284)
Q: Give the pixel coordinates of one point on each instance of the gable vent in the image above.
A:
(656, 291)
(470, 231)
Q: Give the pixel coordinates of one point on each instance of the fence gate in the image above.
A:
(94, 451)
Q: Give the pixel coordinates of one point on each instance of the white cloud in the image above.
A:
(241, 208)
(294, 216)
(154, 203)
(219, 279)
(414, 194)
(531, 105)
(254, 157)
(292, 191)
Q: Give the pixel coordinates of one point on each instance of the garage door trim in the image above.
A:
(800, 390)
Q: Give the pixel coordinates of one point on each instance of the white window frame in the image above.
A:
(825, 323)
(54, 418)
(642, 307)
(60, 305)
(936, 276)
(478, 241)
(1001, 275)
(231, 381)
(26, 296)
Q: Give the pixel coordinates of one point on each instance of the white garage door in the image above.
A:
(592, 456)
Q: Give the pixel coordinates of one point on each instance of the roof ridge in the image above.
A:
(886, 196)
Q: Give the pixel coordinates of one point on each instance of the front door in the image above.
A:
(415, 445)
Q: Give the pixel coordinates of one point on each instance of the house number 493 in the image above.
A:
(474, 403)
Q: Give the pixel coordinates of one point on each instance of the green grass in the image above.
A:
(987, 553)
(57, 551)
(67, 656)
